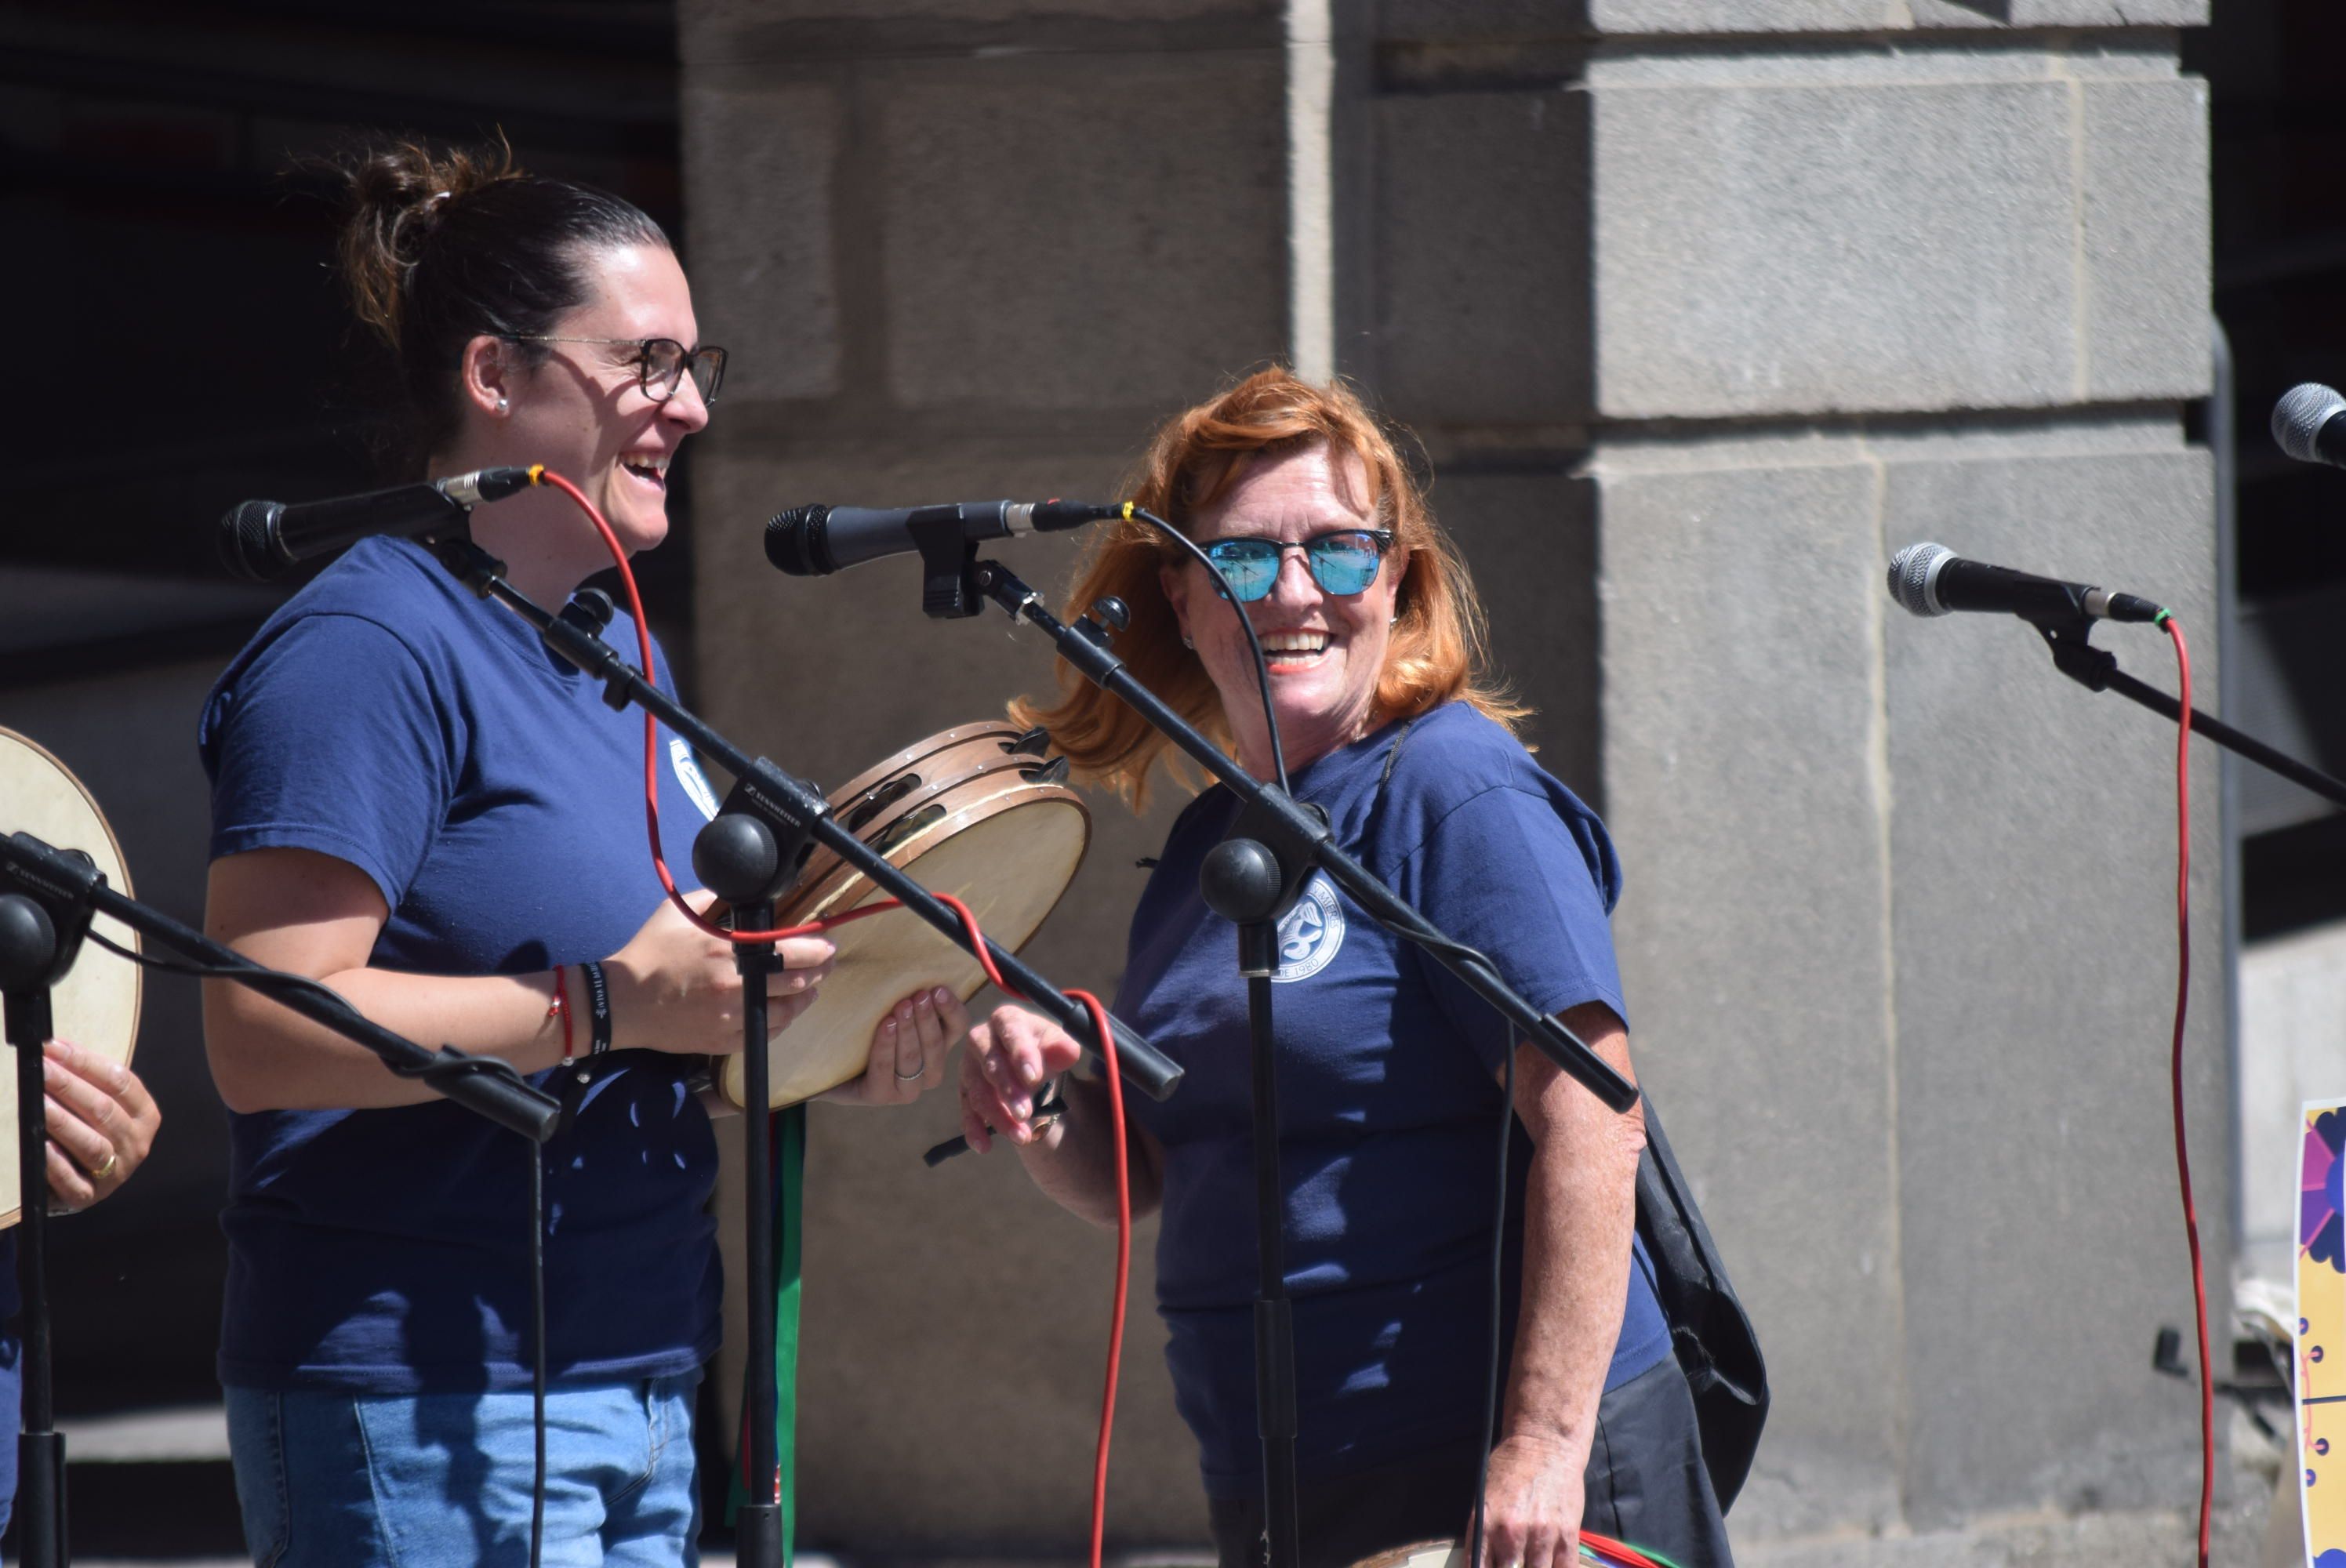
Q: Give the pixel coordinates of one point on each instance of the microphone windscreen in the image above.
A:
(793, 540)
(1911, 571)
(2300, 415)
(244, 541)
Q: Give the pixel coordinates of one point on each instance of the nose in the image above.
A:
(1294, 585)
(685, 406)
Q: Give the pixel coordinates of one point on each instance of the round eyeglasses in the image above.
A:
(661, 363)
(1343, 561)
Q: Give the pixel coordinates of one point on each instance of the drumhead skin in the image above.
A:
(95, 1006)
(962, 813)
(1420, 1554)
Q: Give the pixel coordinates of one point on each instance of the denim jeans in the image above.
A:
(443, 1480)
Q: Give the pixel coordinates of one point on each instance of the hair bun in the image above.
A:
(398, 194)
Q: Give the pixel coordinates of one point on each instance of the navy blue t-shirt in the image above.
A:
(1388, 1096)
(388, 718)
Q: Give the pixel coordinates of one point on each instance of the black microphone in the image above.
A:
(816, 541)
(2307, 423)
(262, 539)
(1932, 580)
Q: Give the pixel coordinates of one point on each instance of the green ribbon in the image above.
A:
(789, 1190)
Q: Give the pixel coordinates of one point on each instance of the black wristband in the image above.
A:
(598, 1007)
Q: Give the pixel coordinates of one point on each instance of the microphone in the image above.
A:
(816, 541)
(262, 539)
(1932, 580)
(2305, 423)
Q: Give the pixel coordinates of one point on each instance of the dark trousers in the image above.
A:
(1646, 1485)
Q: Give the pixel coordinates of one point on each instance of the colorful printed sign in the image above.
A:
(2322, 1333)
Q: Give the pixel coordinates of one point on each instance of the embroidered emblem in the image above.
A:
(1311, 933)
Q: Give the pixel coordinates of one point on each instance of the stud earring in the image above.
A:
(1187, 644)
(501, 405)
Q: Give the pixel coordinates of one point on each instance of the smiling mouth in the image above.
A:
(1294, 650)
(651, 471)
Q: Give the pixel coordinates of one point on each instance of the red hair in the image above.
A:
(1435, 654)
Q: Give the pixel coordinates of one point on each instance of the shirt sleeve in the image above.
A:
(331, 740)
(1507, 875)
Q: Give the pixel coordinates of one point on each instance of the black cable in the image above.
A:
(1498, 1302)
(1246, 623)
(538, 1345)
(448, 1063)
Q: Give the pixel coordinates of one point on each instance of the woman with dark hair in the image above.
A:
(416, 804)
(1389, 1070)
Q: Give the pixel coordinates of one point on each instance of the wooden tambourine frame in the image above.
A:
(95, 1006)
(972, 811)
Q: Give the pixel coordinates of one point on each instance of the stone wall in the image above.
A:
(1701, 309)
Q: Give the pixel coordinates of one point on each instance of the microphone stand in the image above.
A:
(48, 897)
(1251, 879)
(2096, 670)
(786, 810)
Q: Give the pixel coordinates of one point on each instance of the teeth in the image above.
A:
(646, 465)
(1294, 642)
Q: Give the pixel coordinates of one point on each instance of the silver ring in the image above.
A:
(915, 1075)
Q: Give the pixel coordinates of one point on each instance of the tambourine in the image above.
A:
(974, 811)
(1594, 1550)
(96, 1005)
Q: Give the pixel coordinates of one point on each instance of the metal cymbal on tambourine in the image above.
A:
(95, 1006)
(974, 811)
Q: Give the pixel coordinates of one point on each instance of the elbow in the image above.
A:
(241, 1073)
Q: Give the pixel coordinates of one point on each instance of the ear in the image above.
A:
(485, 372)
(1174, 582)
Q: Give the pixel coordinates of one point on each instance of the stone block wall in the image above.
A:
(1699, 311)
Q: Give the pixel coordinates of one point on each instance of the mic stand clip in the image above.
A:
(2096, 670)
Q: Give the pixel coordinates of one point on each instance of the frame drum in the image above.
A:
(974, 811)
(95, 1006)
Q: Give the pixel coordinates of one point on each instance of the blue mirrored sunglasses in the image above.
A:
(1343, 561)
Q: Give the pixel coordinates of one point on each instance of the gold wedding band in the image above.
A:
(102, 1172)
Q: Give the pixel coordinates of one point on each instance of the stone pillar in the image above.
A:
(1730, 301)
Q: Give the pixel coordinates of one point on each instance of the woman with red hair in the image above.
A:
(1390, 1070)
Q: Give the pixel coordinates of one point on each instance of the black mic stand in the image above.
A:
(1251, 879)
(33, 956)
(48, 897)
(788, 811)
(2096, 670)
(737, 855)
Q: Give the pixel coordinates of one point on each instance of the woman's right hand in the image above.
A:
(1004, 1067)
(674, 986)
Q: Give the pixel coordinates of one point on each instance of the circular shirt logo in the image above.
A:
(1311, 933)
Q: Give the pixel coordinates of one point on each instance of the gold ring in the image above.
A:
(102, 1172)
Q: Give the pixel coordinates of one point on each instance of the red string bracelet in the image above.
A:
(560, 1008)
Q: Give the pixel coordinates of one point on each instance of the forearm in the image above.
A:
(1073, 1159)
(266, 1057)
(1580, 1211)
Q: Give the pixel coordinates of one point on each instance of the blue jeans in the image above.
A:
(340, 1480)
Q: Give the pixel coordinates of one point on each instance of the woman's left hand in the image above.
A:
(102, 1122)
(1531, 1504)
(908, 1050)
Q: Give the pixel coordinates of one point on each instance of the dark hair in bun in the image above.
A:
(439, 248)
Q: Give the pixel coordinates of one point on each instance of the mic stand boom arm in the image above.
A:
(2096, 670)
(793, 805)
(1300, 841)
(65, 883)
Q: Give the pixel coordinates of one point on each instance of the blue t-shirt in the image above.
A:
(387, 718)
(1388, 1096)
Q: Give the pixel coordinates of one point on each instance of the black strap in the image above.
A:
(598, 1007)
